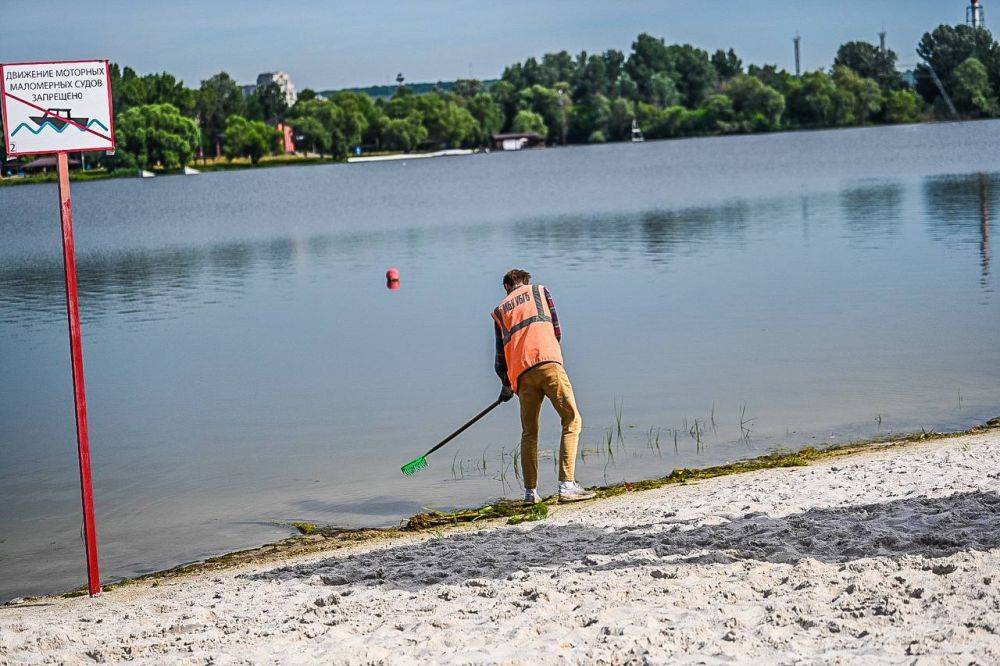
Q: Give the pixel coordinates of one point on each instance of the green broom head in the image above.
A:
(414, 466)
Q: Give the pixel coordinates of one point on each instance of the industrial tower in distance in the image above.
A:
(798, 68)
(974, 14)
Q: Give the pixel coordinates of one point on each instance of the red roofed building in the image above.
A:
(287, 138)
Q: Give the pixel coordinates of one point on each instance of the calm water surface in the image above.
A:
(247, 366)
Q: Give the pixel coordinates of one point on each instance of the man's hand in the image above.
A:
(506, 393)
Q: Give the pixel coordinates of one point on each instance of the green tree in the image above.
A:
(900, 106)
(717, 115)
(468, 88)
(756, 105)
(649, 56)
(946, 48)
(250, 138)
(445, 121)
(342, 126)
(870, 62)
(306, 94)
(404, 133)
(591, 76)
(311, 134)
(693, 73)
(553, 105)
(589, 117)
(778, 79)
(529, 121)
(267, 103)
(727, 64)
(155, 134)
(488, 115)
(672, 122)
(663, 91)
(3, 146)
(128, 89)
(689, 68)
(367, 115)
(508, 97)
(810, 101)
(218, 98)
(621, 115)
(972, 94)
(865, 96)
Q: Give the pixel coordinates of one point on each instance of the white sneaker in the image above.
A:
(531, 496)
(571, 491)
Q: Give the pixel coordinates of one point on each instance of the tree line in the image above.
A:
(669, 90)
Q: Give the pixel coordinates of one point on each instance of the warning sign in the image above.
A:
(53, 107)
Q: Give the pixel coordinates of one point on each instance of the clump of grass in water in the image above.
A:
(653, 439)
(745, 425)
(504, 485)
(695, 432)
(619, 406)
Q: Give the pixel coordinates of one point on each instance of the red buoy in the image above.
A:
(392, 275)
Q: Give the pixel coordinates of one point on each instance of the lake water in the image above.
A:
(247, 366)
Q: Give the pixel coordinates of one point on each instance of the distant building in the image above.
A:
(284, 84)
(287, 138)
(283, 80)
(516, 140)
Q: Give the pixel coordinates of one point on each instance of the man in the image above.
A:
(529, 363)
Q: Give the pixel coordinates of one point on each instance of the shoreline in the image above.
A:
(884, 553)
(315, 538)
(241, 164)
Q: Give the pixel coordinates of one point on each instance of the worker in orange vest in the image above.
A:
(529, 363)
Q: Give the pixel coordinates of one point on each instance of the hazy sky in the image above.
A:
(337, 44)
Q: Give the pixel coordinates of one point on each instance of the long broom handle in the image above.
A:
(463, 428)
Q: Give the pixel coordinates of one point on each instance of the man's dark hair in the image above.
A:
(516, 276)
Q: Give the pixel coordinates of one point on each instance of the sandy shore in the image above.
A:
(887, 557)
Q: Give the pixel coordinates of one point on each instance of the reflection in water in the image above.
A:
(148, 282)
(872, 211)
(959, 209)
(984, 227)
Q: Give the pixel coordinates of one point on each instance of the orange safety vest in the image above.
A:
(528, 335)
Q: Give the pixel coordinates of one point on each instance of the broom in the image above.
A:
(421, 462)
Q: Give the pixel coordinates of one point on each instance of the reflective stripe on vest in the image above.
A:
(526, 345)
(540, 316)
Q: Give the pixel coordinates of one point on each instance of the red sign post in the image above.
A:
(64, 107)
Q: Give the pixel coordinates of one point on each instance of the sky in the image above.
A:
(329, 45)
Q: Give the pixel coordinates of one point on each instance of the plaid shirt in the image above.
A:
(500, 363)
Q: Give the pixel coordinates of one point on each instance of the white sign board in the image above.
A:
(53, 107)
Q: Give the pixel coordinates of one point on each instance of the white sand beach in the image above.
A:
(891, 556)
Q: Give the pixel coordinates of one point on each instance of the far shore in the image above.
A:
(240, 164)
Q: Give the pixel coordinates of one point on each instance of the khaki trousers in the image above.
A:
(548, 380)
